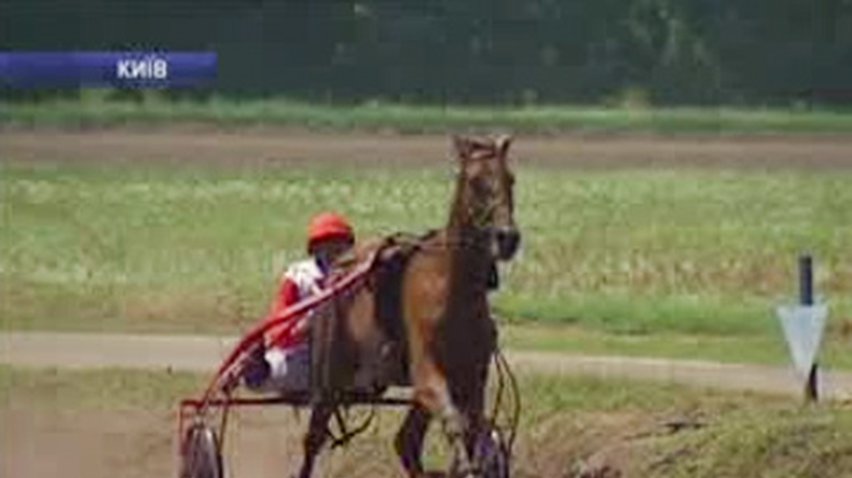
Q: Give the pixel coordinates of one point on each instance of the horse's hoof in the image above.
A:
(434, 474)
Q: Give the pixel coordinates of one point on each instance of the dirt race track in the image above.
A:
(263, 443)
(202, 354)
(288, 147)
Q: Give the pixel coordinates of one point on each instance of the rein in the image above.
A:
(452, 243)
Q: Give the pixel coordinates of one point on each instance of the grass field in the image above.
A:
(136, 247)
(93, 110)
(568, 425)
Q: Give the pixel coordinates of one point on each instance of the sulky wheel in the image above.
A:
(201, 456)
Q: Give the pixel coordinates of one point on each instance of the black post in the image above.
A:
(806, 280)
(806, 298)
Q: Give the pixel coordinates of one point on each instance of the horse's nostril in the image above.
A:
(508, 241)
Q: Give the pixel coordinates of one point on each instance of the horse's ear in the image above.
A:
(462, 146)
(503, 143)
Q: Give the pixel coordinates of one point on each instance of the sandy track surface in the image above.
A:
(203, 354)
(40, 442)
(65, 442)
(288, 147)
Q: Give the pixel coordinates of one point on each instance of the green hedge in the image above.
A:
(479, 51)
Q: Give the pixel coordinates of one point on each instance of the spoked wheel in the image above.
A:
(201, 456)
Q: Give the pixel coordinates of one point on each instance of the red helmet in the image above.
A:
(328, 225)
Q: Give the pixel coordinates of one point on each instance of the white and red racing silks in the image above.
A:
(301, 280)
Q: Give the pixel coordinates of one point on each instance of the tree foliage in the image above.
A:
(477, 51)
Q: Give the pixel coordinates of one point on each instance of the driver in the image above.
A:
(282, 362)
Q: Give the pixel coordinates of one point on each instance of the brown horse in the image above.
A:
(446, 335)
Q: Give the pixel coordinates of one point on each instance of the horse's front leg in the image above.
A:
(472, 405)
(315, 438)
(409, 440)
(464, 417)
(433, 394)
(455, 428)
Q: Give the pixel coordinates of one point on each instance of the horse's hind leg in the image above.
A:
(315, 438)
(409, 439)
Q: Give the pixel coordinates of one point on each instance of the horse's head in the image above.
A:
(485, 198)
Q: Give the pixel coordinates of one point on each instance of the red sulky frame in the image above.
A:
(217, 395)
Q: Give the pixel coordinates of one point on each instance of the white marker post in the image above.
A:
(803, 325)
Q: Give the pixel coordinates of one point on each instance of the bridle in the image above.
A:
(481, 216)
